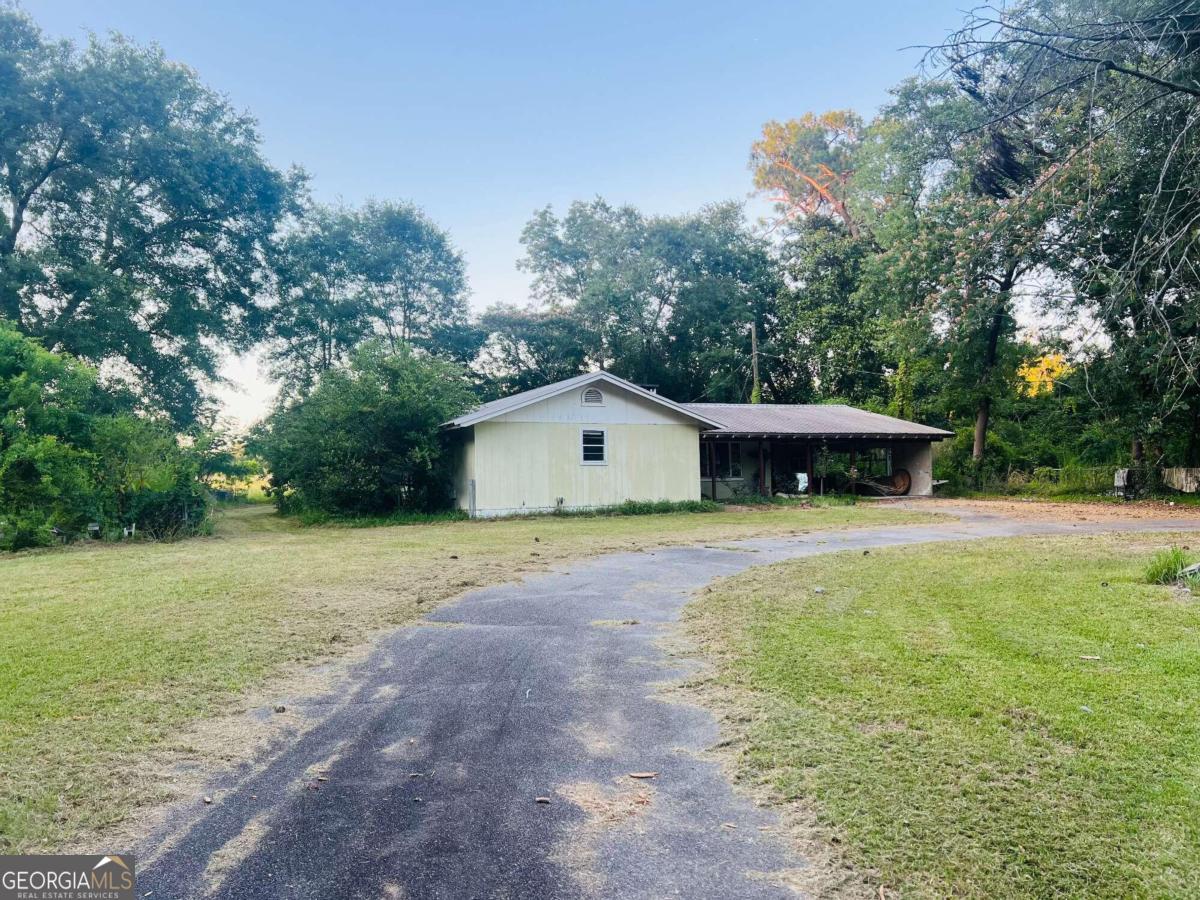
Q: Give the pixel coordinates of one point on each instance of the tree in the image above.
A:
(528, 348)
(667, 301)
(834, 330)
(72, 454)
(806, 165)
(136, 207)
(1111, 88)
(955, 240)
(322, 308)
(415, 279)
(344, 276)
(367, 439)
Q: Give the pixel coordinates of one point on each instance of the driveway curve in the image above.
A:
(429, 771)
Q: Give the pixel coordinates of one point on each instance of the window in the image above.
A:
(593, 397)
(728, 458)
(593, 447)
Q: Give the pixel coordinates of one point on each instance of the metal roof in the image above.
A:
(525, 398)
(809, 420)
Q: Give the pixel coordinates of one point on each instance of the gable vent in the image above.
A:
(593, 397)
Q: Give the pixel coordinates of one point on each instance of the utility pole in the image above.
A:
(756, 390)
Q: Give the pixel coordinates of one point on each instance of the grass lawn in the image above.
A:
(937, 713)
(106, 650)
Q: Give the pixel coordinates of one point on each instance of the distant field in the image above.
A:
(106, 650)
(1004, 718)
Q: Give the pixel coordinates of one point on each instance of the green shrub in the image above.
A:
(645, 508)
(72, 455)
(367, 441)
(317, 517)
(1165, 566)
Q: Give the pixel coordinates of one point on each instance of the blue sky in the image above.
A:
(483, 112)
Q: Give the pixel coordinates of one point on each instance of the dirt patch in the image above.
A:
(1063, 512)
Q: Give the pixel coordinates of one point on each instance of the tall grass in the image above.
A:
(317, 517)
(628, 508)
(814, 500)
(645, 508)
(1166, 565)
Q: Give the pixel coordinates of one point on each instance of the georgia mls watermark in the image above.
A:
(72, 877)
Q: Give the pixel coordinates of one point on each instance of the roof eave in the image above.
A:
(829, 435)
(579, 381)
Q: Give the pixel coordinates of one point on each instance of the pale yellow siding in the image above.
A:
(464, 468)
(529, 466)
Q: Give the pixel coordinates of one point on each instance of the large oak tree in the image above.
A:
(135, 209)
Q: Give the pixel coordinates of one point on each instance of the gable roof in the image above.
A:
(526, 398)
(810, 420)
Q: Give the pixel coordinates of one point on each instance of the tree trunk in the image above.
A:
(984, 411)
(982, 415)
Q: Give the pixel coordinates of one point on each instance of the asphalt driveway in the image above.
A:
(432, 767)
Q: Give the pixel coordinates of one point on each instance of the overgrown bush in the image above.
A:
(73, 455)
(367, 440)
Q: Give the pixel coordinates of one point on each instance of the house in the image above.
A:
(597, 440)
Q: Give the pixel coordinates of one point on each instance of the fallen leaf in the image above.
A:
(541, 799)
(208, 799)
(728, 825)
(643, 774)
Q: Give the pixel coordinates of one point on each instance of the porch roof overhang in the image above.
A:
(809, 422)
(809, 437)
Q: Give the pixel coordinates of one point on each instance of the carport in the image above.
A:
(771, 449)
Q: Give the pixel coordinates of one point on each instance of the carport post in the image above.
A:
(712, 470)
(808, 466)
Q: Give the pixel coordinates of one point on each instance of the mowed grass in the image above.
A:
(1009, 718)
(106, 650)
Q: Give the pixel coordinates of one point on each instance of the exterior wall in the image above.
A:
(729, 488)
(464, 469)
(917, 458)
(524, 461)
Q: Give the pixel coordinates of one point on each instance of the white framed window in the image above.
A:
(593, 447)
(592, 397)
